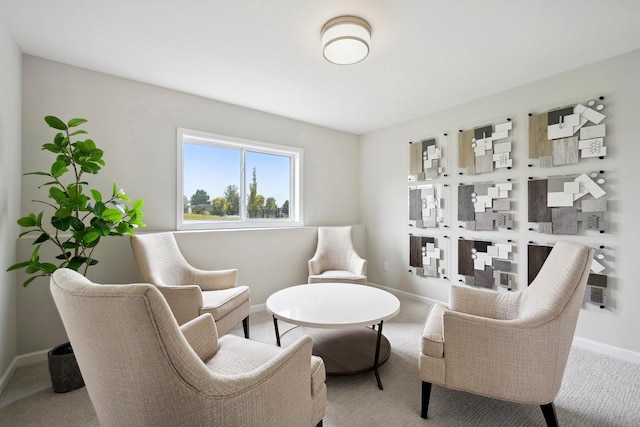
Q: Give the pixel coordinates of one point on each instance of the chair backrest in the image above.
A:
(560, 281)
(335, 247)
(554, 298)
(159, 259)
(135, 362)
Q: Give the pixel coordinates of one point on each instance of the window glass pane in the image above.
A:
(211, 183)
(268, 189)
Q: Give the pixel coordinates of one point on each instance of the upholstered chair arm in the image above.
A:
(275, 387)
(496, 305)
(184, 301)
(357, 265)
(202, 335)
(316, 265)
(482, 354)
(212, 280)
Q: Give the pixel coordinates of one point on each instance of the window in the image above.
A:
(226, 182)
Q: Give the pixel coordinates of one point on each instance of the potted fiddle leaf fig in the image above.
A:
(77, 219)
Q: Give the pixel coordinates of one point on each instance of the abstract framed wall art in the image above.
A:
(567, 135)
(427, 256)
(426, 159)
(427, 205)
(486, 206)
(568, 204)
(485, 148)
(486, 264)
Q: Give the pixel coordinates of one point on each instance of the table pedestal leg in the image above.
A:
(275, 325)
(377, 357)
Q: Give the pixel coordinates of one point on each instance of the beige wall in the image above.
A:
(10, 101)
(136, 125)
(385, 165)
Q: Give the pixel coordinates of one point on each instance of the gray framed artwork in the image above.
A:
(426, 159)
(486, 264)
(567, 135)
(485, 148)
(427, 256)
(568, 204)
(427, 205)
(597, 281)
(486, 206)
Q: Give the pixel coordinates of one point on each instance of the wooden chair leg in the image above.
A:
(245, 326)
(550, 416)
(426, 394)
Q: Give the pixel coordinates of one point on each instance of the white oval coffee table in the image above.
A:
(338, 317)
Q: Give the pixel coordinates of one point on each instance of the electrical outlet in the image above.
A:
(386, 266)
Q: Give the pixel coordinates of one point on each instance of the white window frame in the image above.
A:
(223, 141)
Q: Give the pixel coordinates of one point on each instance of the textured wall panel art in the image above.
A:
(566, 135)
(426, 159)
(426, 205)
(485, 264)
(568, 204)
(597, 281)
(485, 148)
(485, 206)
(426, 256)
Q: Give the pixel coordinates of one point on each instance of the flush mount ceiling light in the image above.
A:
(345, 40)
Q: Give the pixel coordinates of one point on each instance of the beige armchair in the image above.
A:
(189, 291)
(335, 259)
(142, 369)
(508, 345)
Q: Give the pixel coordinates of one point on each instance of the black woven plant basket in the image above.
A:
(64, 370)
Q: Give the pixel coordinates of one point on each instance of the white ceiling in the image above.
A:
(426, 55)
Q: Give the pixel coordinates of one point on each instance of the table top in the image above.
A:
(333, 305)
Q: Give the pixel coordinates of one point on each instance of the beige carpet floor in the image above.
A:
(597, 391)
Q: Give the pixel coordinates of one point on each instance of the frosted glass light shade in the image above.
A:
(345, 40)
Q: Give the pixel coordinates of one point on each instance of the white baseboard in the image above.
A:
(22, 360)
(4, 379)
(606, 349)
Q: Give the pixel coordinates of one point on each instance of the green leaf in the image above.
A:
(99, 208)
(90, 236)
(90, 167)
(113, 215)
(52, 147)
(55, 123)
(70, 245)
(97, 196)
(64, 255)
(61, 224)
(78, 132)
(57, 194)
(137, 204)
(19, 265)
(48, 267)
(58, 168)
(31, 279)
(42, 238)
(76, 122)
(76, 262)
(27, 221)
(76, 223)
(38, 173)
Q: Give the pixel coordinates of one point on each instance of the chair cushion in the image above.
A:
(432, 340)
(239, 355)
(338, 276)
(221, 302)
